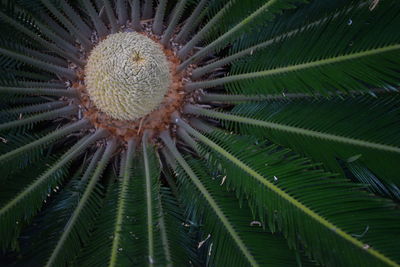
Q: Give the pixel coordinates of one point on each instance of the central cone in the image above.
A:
(127, 75)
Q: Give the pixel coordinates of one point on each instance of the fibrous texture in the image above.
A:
(127, 75)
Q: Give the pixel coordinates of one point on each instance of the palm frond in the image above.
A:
(122, 11)
(113, 236)
(147, 9)
(320, 129)
(38, 91)
(363, 175)
(265, 10)
(204, 31)
(135, 17)
(287, 26)
(79, 224)
(287, 195)
(232, 227)
(60, 46)
(40, 64)
(40, 238)
(67, 24)
(75, 17)
(31, 120)
(159, 17)
(39, 143)
(352, 56)
(19, 111)
(99, 25)
(193, 21)
(111, 15)
(275, 141)
(23, 202)
(180, 6)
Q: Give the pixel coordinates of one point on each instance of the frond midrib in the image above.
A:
(213, 204)
(292, 129)
(294, 67)
(82, 203)
(281, 193)
(149, 207)
(121, 207)
(66, 158)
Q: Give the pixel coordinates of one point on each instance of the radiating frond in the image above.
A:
(230, 227)
(268, 134)
(23, 202)
(79, 224)
(291, 64)
(320, 129)
(275, 185)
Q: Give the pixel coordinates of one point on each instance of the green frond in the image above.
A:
(294, 19)
(287, 67)
(40, 64)
(285, 27)
(235, 241)
(135, 16)
(99, 25)
(202, 33)
(265, 12)
(13, 102)
(147, 11)
(31, 120)
(159, 17)
(113, 234)
(80, 36)
(23, 202)
(122, 11)
(276, 144)
(179, 8)
(38, 91)
(32, 50)
(150, 172)
(128, 229)
(57, 31)
(18, 111)
(77, 229)
(238, 99)
(13, 163)
(10, 187)
(75, 17)
(38, 144)
(30, 74)
(192, 21)
(290, 191)
(321, 129)
(178, 246)
(66, 50)
(44, 231)
(45, 84)
(111, 15)
(363, 175)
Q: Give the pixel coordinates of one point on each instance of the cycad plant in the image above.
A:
(199, 133)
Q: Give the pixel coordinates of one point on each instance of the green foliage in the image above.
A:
(363, 175)
(366, 37)
(355, 119)
(220, 211)
(293, 190)
(291, 159)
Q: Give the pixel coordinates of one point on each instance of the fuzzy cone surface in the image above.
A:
(127, 75)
